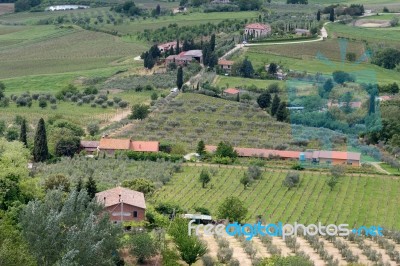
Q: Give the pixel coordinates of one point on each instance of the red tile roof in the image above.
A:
(116, 195)
(265, 153)
(114, 144)
(338, 155)
(258, 26)
(232, 91)
(145, 146)
(225, 62)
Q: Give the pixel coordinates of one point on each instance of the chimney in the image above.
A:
(119, 197)
(104, 200)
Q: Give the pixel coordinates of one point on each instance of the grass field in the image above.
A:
(356, 200)
(223, 81)
(179, 19)
(390, 169)
(388, 36)
(60, 50)
(259, 56)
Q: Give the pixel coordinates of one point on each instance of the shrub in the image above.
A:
(207, 260)
(224, 255)
(123, 104)
(291, 180)
(139, 111)
(254, 172)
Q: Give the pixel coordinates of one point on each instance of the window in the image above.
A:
(135, 214)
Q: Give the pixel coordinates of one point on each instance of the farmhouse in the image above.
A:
(90, 147)
(317, 157)
(110, 145)
(302, 32)
(226, 65)
(123, 204)
(185, 57)
(257, 30)
(165, 47)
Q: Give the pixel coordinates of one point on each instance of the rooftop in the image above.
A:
(119, 194)
(89, 144)
(225, 62)
(114, 144)
(231, 91)
(258, 26)
(147, 146)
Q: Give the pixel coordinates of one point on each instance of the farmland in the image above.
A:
(192, 117)
(357, 199)
(259, 57)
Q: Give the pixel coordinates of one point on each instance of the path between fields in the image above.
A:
(379, 168)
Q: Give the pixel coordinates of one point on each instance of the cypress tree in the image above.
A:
(178, 49)
(22, 135)
(91, 187)
(319, 15)
(171, 50)
(371, 109)
(79, 186)
(179, 78)
(332, 15)
(282, 113)
(40, 149)
(275, 105)
(212, 42)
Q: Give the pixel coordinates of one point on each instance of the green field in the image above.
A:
(223, 81)
(259, 56)
(356, 200)
(389, 36)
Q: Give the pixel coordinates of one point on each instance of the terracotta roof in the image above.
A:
(167, 45)
(225, 62)
(265, 153)
(339, 155)
(258, 26)
(147, 146)
(384, 98)
(232, 91)
(355, 104)
(89, 144)
(114, 144)
(116, 195)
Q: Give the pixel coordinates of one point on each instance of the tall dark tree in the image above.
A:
(246, 69)
(171, 51)
(40, 149)
(22, 135)
(282, 113)
(179, 78)
(158, 10)
(177, 49)
(91, 187)
(206, 54)
(371, 109)
(186, 45)
(319, 15)
(275, 104)
(201, 148)
(332, 15)
(212, 42)
(273, 68)
(79, 186)
(2, 89)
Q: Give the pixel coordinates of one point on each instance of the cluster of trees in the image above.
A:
(210, 57)
(195, 32)
(235, 5)
(302, 2)
(273, 105)
(388, 58)
(243, 69)
(352, 10)
(24, 5)
(389, 88)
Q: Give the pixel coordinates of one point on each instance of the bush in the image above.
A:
(142, 246)
(139, 111)
(207, 260)
(254, 172)
(123, 104)
(224, 255)
(291, 180)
